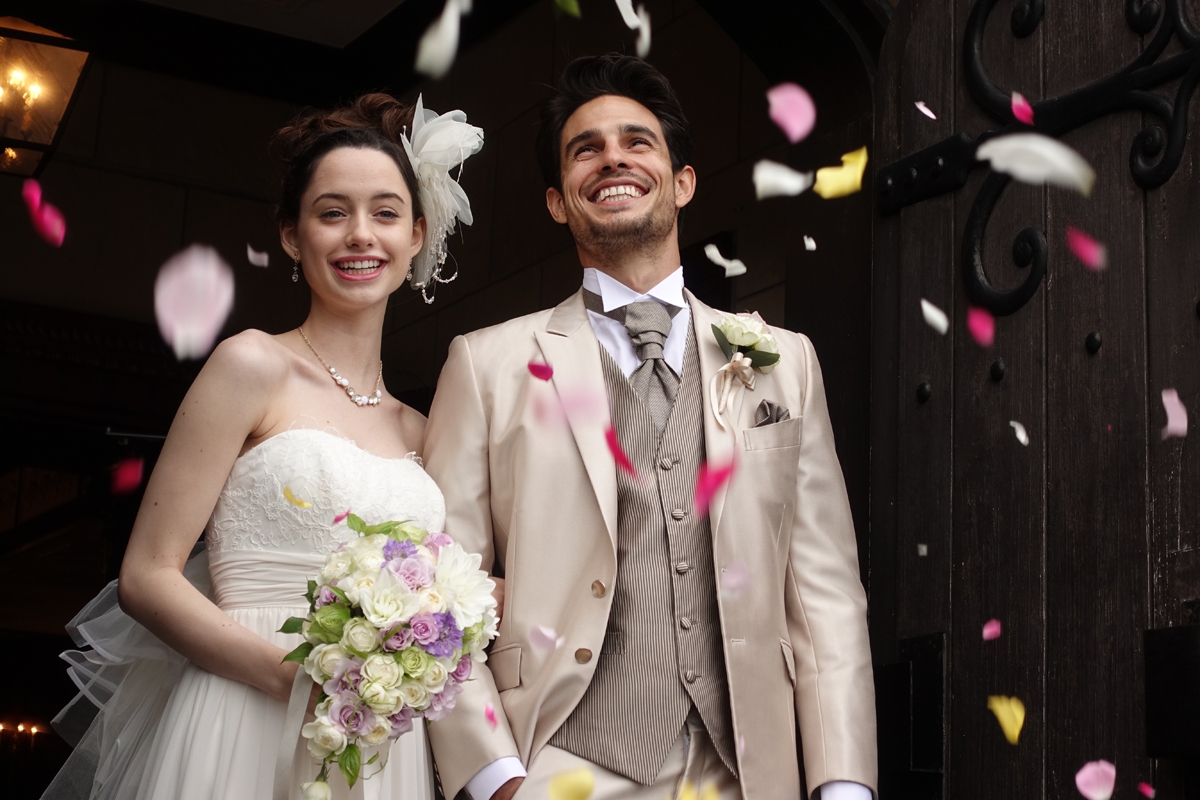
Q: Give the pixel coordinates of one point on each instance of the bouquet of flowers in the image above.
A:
(396, 619)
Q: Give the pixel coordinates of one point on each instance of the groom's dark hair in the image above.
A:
(590, 77)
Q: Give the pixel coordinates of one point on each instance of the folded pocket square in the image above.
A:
(769, 413)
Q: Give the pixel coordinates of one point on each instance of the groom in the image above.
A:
(646, 639)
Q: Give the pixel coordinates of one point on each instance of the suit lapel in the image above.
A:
(570, 347)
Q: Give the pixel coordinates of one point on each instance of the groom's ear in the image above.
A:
(556, 205)
(685, 186)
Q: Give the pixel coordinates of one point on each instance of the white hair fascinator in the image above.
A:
(438, 144)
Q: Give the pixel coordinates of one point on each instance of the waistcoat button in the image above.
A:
(678, 514)
(583, 655)
(665, 463)
(689, 676)
(682, 567)
(685, 623)
(597, 588)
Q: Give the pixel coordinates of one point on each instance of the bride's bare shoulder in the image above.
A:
(251, 355)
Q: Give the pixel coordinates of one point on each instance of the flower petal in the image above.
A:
(1034, 158)
(256, 258)
(1021, 108)
(924, 109)
(793, 110)
(193, 295)
(127, 475)
(735, 578)
(643, 40)
(982, 326)
(627, 13)
(935, 317)
(544, 638)
(439, 43)
(574, 784)
(772, 179)
(614, 447)
(840, 181)
(1096, 779)
(922, 550)
(296, 501)
(1086, 249)
(1010, 713)
(810, 243)
(31, 193)
(1177, 417)
(1146, 789)
(341, 516)
(708, 481)
(569, 7)
(1019, 429)
(49, 223)
(733, 267)
(543, 372)
(489, 714)
(991, 630)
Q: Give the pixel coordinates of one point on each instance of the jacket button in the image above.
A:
(689, 676)
(678, 514)
(682, 567)
(597, 588)
(583, 655)
(665, 463)
(685, 623)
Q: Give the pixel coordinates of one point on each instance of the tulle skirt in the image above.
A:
(166, 729)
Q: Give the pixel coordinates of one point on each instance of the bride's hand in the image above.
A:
(498, 593)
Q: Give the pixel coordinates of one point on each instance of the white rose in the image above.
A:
(379, 733)
(742, 331)
(382, 667)
(384, 700)
(389, 602)
(316, 790)
(322, 661)
(369, 562)
(767, 344)
(432, 598)
(356, 583)
(306, 632)
(364, 545)
(359, 637)
(324, 739)
(414, 694)
(337, 565)
(435, 677)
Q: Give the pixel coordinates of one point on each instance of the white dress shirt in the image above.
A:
(615, 338)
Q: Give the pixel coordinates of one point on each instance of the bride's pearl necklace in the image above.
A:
(357, 399)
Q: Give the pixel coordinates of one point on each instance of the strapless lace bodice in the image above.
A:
(329, 473)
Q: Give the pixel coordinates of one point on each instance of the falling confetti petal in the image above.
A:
(708, 482)
(569, 7)
(1034, 158)
(991, 630)
(296, 501)
(935, 317)
(792, 109)
(31, 192)
(545, 638)
(735, 578)
(922, 549)
(1021, 108)
(1086, 249)
(489, 714)
(341, 516)
(1019, 429)
(982, 326)
(1096, 779)
(840, 181)
(543, 372)
(439, 43)
(643, 40)
(618, 454)
(772, 179)
(127, 475)
(256, 258)
(810, 243)
(741, 745)
(924, 109)
(1010, 712)
(1177, 418)
(1146, 789)
(733, 267)
(627, 13)
(47, 220)
(575, 784)
(193, 295)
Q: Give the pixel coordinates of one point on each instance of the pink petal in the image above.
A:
(1086, 249)
(1146, 789)
(1096, 779)
(924, 109)
(614, 447)
(544, 638)
(1177, 419)
(127, 476)
(31, 191)
(341, 516)
(708, 482)
(543, 372)
(735, 578)
(741, 745)
(193, 295)
(793, 110)
(489, 714)
(1021, 108)
(991, 630)
(49, 223)
(982, 326)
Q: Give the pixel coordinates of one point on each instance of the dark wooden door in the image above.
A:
(1090, 535)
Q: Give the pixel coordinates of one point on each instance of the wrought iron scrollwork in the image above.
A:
(1154, 154)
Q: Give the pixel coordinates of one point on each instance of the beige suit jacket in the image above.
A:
(538, 495)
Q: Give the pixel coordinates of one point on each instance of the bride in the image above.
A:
(277, 437)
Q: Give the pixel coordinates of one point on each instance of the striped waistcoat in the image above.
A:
(662, 650)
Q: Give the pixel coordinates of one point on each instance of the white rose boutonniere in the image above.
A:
(748, 344)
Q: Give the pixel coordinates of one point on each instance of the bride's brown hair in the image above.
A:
(374, 121)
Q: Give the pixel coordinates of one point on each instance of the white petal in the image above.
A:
(926, 110)
(627, 14)
(256, 258)
(810, 243)
(1022, 434)
(935, 317)
(733, 267)
(643, 40)
(439, 44)
(193, 295)
(1034, 158)
(772, 179)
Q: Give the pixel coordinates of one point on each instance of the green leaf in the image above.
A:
(311, 593)
(570, 7)
(293, 625)
(356, 524)
(374, 758)
(726, 347)
(300, 653)
(760, 359)
(340, 594)
(349, 762)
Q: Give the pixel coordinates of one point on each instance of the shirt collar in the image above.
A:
(615, 294)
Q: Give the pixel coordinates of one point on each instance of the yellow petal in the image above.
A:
(687, 791)
(846, 179)
(291, 498)
(1011, 714)
(575, 784)
(709, 792)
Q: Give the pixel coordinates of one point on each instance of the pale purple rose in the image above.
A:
(325, 597)
(401, 722)
(348, 712)
(400, 639)
(415, 571)
(425, 628)
(462, 670)
(442, 703)
(436, 541)
(393, 550)
(449, 639)
(345, 677)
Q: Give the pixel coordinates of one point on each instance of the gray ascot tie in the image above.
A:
(648, 323)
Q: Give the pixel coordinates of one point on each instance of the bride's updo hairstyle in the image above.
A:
(375, 121)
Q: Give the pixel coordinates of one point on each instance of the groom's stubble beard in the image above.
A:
(613, 241)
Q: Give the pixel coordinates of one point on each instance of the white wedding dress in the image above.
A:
(168, 730)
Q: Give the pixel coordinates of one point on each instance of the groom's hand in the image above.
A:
(508, 789)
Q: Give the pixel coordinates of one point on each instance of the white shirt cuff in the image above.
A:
(844, 790)
(500, 772)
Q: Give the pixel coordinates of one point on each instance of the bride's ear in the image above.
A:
(418, 237)
(287, 238)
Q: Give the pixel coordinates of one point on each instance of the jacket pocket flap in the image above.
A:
(788, 661)
(773, 436)
(505, 665)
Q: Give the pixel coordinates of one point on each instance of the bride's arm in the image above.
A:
(226, 405)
